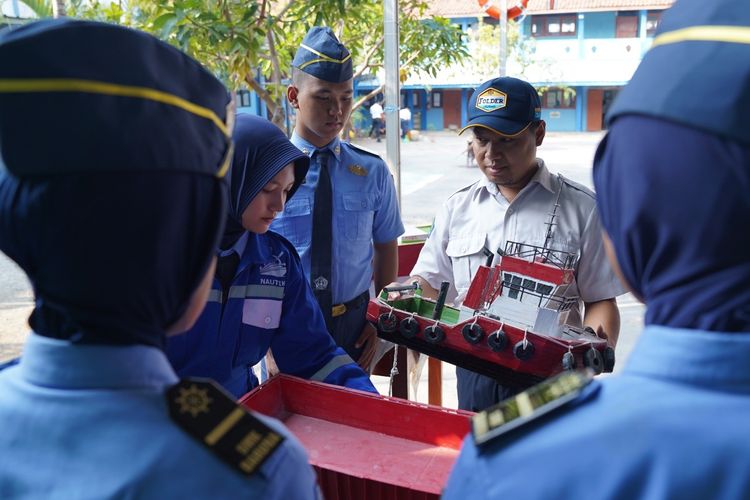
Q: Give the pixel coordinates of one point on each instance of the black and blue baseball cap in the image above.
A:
(504, 105)
(322, 55)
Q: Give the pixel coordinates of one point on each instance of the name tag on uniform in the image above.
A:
(263, 313)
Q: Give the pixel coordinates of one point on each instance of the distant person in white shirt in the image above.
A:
(376, 112)
(513, 201)
(404, 115)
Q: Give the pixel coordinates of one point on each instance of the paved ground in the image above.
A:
(432, 168)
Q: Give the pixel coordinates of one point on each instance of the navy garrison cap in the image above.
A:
(504, 105)
(112, 196)
(696, 72)
(322, 55)
(126, 102)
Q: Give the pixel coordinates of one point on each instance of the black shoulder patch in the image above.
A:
(529, 405)
(214, 418)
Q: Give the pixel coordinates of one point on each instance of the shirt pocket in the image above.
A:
(466, 256)
(295, 223)
(262, 313)
(260, 319)
(358, 215)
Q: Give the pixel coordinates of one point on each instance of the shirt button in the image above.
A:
(364, 204)
(510, 210)
(268, 320)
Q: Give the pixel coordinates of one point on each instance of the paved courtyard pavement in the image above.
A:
(432, 168)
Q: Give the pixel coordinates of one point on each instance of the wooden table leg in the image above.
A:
(434, 381)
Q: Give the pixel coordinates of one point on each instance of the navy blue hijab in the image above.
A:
(261, 151)
(675, 202)
(111, 191)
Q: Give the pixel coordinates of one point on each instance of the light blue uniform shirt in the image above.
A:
(673, 424)
(91, 422)
(365, 210)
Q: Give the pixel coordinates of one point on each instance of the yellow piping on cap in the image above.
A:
(105, 88)
(227, 161)
(727, 34)
(323, 57)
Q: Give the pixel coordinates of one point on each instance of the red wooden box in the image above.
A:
(365, 446)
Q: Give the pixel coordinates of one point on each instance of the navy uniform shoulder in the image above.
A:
(279, 243)
(578, 187)
(558, 394)
(214, 419)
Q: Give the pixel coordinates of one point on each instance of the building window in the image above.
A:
(243, 98)
(652, 22)
(437, 99)
(558, 99)
(553, 25)
(626, 25)
(415, 98)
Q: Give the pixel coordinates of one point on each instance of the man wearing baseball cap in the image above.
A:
(512, 202)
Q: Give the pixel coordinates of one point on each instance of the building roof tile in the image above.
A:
(470, 8)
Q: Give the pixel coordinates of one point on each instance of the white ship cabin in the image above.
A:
(532, 296)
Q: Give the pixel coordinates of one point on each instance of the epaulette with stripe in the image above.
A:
(214, 418)
(531, 404)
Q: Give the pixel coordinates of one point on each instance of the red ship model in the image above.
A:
(511, 325)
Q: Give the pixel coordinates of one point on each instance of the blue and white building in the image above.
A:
(581, 53)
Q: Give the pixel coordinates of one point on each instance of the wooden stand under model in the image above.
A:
(511, 325)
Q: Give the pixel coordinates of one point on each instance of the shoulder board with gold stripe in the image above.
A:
(214, 418)
(531, 404)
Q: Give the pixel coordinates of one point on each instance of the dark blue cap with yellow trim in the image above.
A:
(112, 198)
(696, 72)
(504, 105)
(322, 55)
(143, 105)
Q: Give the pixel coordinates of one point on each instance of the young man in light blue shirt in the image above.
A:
(344, 221)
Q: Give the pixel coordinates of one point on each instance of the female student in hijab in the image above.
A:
(112, 200)
(672, 180)
(259, 297)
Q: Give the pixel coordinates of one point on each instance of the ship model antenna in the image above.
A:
(551, 223)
